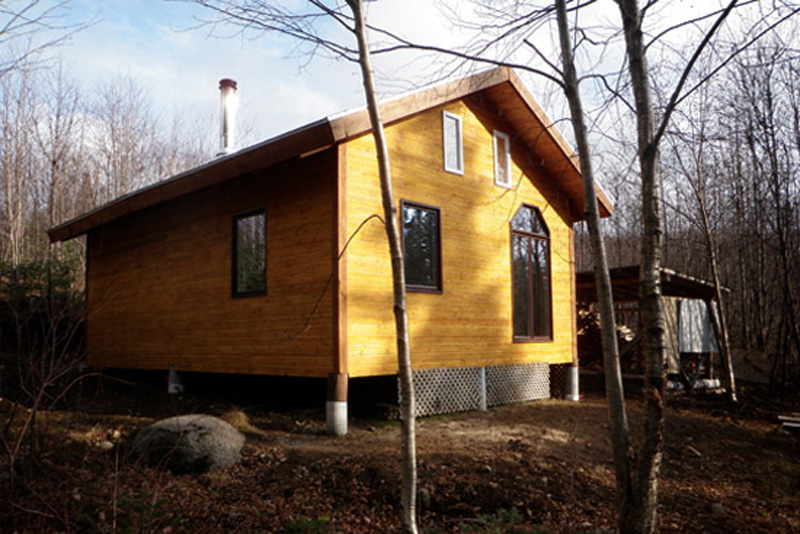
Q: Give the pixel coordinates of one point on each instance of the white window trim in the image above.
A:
(459, 141)
(502, 159)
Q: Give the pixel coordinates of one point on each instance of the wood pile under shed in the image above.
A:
(690, 345)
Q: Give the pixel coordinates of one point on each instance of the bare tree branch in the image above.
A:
(408, 45)
(26, 32)
(263, 16)
(738, 51)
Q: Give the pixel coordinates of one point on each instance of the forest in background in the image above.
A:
(730, 168)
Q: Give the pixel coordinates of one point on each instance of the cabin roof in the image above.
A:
(501, 86)
(625, 285)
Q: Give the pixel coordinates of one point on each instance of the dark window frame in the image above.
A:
(415, 288)
(235, 253)
(531, 298)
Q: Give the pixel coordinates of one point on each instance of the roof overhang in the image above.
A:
(625, 285)
(501, 85)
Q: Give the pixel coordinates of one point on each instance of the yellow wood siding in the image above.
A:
(160, 279)
(470, 322)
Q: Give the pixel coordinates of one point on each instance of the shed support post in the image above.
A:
(571, 384)
(174, 382)
(336, 404)
(482, 405)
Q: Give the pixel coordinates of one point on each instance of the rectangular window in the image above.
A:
(249, 254)
(422, 247)
(502, 159)
(453, 147)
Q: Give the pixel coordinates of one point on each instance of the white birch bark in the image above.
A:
(407, 405)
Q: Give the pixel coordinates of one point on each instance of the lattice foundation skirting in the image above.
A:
(558, 378)
(472, 388)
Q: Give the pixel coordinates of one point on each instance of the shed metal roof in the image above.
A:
(625, 285)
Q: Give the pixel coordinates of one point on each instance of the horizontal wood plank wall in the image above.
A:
(470, 322)
(160, 279)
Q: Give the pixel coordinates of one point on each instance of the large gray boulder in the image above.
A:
(189, 444)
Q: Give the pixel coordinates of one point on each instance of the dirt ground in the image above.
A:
(537, 467)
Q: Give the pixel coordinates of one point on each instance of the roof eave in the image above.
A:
(310, 138)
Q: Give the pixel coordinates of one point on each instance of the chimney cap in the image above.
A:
(227, 82)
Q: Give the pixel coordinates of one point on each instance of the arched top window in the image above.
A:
(530, 254)
(529, 220)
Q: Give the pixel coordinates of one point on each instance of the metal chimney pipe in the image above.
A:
(227, 88)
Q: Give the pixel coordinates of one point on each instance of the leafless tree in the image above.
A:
(766, 94)
(57, 137)
(29, 28)
(123, 132)
(618, 419)
(17, 168)
(187, 141)
(301, 23)
(695, 159)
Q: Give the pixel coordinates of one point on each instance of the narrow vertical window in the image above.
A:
(530, 258)
(502, 159)
(453, 146)
(422, 247)
(249, 254)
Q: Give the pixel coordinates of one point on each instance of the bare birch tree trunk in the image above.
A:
(407, 404)
(718, 314)
(617, 415)
(697, 179)
(643, 514)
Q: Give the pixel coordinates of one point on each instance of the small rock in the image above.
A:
(543, 480)
(718, 509)
(105, 445)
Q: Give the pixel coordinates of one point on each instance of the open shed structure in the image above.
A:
(270, 261)
(690, 322)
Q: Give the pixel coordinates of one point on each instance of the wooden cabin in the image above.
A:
(270, 261)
